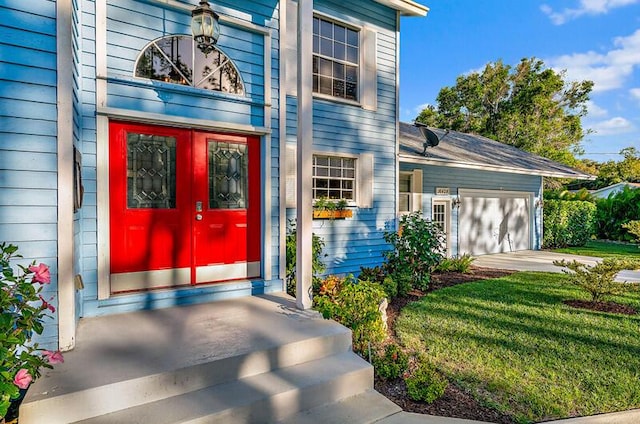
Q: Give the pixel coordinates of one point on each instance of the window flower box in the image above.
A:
(333, 214)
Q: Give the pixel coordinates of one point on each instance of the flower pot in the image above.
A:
(333, 214)
(12, 412)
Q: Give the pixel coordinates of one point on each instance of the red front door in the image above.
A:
(184, 207)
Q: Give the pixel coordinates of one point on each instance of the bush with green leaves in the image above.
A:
(633, 228)
(317, 266)
(456, 264)
(391, 363)
(568, 222)
(425, 383)
(356, 305)
(378, 275)
(618, 209)
(599, 279)
(417, 246)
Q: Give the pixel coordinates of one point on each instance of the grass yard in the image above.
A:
(604, 249)
(514, 344)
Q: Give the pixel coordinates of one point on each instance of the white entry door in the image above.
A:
(492, 221)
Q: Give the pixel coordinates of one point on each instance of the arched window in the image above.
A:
(174, 59)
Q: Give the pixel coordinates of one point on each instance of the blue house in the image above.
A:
(150, 172)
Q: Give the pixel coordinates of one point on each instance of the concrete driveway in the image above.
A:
(542, 260)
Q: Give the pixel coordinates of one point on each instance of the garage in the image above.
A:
(494, 221)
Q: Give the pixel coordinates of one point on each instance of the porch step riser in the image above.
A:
(264, 398)
(109, 398)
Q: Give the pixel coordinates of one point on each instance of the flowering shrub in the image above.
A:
(22, 312)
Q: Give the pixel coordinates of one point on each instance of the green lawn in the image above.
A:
(517, 347)
(603, 249)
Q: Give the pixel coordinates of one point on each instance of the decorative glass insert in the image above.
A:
(336, 57)
(174, 59)
(404, 187)
(151, 171)
(228, 175)
(334, 177)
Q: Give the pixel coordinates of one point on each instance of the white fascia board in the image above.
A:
(406, 7)
(495, 168)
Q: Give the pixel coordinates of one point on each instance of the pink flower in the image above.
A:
(53, 357)
(41, 273)
(22, 379)
(47, 305)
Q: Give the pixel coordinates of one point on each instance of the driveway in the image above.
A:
(541, 260)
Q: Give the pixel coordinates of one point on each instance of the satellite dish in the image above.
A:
(430, 138)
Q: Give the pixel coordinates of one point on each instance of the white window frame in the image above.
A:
(354, 179)
(408, 194)
(345, 62)
(446, 201)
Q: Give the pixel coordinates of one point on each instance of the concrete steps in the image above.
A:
(262, 361)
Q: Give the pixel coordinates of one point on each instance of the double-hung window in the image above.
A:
(336, 59)
(334, 177)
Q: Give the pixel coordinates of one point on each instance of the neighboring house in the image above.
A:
(605, 192)
(148, 174)
(486, 195)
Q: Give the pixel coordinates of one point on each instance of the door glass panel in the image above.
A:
(439, 215)
(228, 175)
(151, 171)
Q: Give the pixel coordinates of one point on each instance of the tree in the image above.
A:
(527, 106)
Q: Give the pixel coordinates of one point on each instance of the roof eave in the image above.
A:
(478, 166)
(406, 7)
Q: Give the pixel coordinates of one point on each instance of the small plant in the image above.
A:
(318, 267)
(378, 275)
(417, 246)
(458, 264)
(356, 305)
(22, 314)
(599, 279)
(392, 363)
(633, 228)
(425, 384)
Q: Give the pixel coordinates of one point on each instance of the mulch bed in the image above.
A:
(456, 402)
(613, 307)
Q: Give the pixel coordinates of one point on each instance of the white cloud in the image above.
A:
(617, 125)
(595, 111)
(608, 70)
(586, 7)
(635, 92)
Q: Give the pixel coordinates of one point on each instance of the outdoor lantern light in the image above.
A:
(205, 27)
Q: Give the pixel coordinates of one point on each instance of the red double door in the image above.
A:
(184, 207)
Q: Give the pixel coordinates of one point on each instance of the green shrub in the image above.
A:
(568, 223)
(598, 279)
(618, 209)
(404, 281)
(417, 246)
(378, 275)
(391, 363)
(457, 264)
(355, 304)
(633, 228)
(425, 384)
(317, 266)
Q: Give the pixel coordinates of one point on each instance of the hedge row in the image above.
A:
(568, 223)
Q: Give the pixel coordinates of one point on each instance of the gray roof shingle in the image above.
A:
(476, 152)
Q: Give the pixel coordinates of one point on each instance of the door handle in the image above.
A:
(198, 217)
(198, 206)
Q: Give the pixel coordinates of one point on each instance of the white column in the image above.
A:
(66, 289)
(304, 155)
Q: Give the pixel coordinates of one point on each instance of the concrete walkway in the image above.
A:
(542, 260)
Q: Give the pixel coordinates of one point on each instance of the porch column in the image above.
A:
(304, 155)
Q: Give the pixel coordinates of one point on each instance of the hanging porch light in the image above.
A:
(205, 27)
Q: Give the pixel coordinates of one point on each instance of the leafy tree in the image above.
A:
(527, 106)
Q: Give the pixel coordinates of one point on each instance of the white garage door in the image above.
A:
(494, 221)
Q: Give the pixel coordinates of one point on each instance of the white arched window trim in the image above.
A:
(229, 80)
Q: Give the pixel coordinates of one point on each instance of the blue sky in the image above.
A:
(597, 40)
